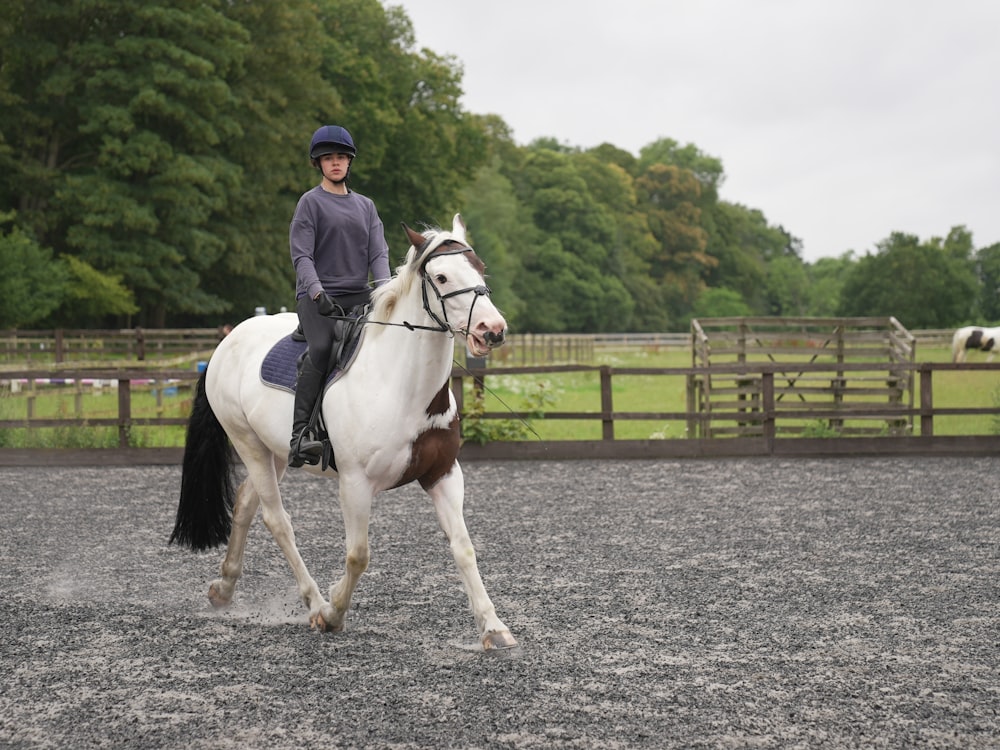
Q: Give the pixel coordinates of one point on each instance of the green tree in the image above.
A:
(164, 142)
(417, 148)
(924, 285)
(826, 279)
(494, 218)
(569, 258)
(670, 197)
(92, 295)
(32, 283)
(280, 95)
(706, 169)
(721, 303)
(122, 110)
(787, 286)
(988, 262)
(35, 284)
(741, 244)
(633, 249)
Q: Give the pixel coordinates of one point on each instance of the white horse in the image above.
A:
(974, 337)
(391, 416)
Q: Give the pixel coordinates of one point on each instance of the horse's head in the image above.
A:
(455, 294)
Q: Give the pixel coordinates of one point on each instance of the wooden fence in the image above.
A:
(771, 418)
(55, 346)
(881, 343)
(86, 344)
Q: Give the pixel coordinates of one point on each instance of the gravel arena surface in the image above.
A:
(744, 603)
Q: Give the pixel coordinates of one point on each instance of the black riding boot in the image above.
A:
(305, 450)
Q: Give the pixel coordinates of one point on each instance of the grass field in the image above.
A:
(522, 395)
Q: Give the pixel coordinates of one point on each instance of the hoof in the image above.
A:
(318, 622)
(218, 600)
(499, 640)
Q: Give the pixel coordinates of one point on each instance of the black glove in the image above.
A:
(324, 304)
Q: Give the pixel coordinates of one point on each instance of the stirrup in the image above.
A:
(305, 452)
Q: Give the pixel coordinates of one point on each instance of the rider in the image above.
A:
(336, 240)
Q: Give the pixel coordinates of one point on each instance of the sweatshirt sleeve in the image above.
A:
(378, 251)
(302, 245)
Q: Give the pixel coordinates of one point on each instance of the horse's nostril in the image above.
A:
(493, 337)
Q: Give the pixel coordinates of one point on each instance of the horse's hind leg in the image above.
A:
(448, 496)
(220, 592)
(260, 490)
(279, 523)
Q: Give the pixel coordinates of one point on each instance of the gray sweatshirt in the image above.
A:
(335, 241)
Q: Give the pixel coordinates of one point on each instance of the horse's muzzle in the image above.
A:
(494, 339)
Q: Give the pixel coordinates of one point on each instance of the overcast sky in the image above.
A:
(841, 120)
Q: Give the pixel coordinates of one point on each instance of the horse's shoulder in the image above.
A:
(434, 451)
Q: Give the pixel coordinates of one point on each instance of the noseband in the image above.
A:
(480, 290)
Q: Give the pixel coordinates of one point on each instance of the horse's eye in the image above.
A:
(441, 278)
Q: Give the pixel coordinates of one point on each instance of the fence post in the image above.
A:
(692, 405)
(926, 402)
(78, 398)
(767, 388)
(607, 420)
(124, 411)
(457, 390)
(140, 342)
(31, 398)
(478, 382)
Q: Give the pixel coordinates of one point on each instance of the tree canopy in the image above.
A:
(151, 153)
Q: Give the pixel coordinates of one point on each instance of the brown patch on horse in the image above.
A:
(440, 403)
(975, 339)
(434, 452)
(477, 262)
(451, 245)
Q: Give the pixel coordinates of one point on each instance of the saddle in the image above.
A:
(280, 365)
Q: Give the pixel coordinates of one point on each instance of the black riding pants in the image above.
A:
(319, 332)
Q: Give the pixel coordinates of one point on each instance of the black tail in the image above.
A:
(205, 510)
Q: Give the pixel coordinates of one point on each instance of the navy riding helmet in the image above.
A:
(331, 139)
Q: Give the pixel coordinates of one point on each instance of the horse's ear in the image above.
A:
(458, 227)
(416, 239)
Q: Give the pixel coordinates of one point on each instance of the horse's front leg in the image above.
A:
(449, 496)
(355, 505)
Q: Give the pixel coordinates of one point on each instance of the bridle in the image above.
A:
(480, 290)
(443, 324)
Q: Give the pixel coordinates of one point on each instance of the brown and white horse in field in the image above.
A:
(392, 420)
(974, 337)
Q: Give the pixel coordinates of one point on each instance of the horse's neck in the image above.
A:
(423, 358)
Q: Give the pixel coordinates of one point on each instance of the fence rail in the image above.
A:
(56, 346)
(86, 344)
(768, 414)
